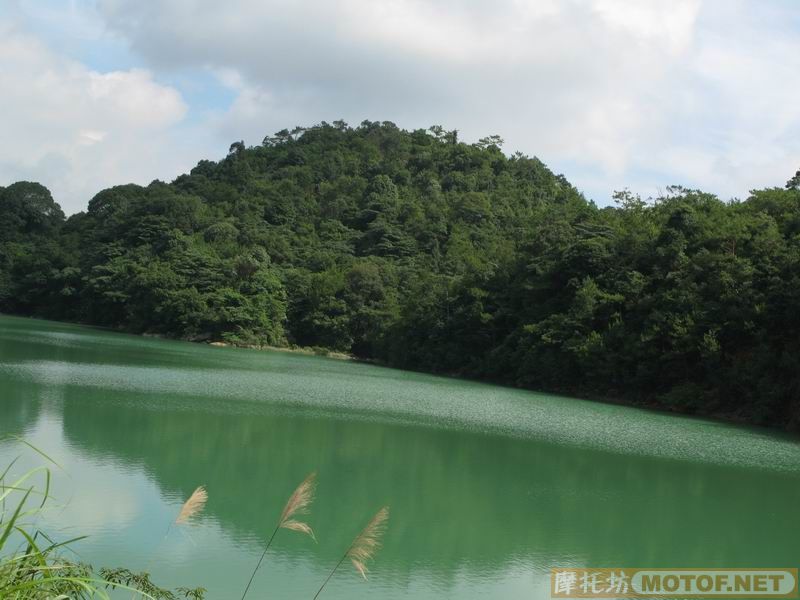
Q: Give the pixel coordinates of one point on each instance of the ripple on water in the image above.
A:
(269, 382)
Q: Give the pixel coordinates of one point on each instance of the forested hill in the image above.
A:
(428, 253)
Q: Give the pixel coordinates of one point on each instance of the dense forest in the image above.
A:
(423, 252)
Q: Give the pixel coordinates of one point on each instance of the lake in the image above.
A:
(489, 487)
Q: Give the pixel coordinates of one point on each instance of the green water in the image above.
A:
(489, 487)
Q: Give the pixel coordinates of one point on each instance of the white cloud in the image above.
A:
(89, 137)
(574, 81)
(667, 22)
(614, 92)
(77, 130)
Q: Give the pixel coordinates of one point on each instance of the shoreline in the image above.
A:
(619, 400)
(305, 350)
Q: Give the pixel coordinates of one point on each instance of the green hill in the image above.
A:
(423, 252)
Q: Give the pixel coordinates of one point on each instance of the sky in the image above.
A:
(614, 94)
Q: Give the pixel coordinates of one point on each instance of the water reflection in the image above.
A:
(18, 412)
(473, 514)
(457, 498)
(463, 505)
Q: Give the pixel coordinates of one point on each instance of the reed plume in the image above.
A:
(368, 541)
(364, 546)
(297, 504)
(193, 506)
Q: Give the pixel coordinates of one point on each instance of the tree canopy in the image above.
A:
(424, 252)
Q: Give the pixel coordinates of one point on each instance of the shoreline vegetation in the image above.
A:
(416, 250)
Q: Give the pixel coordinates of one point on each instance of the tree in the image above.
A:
(794, 182)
